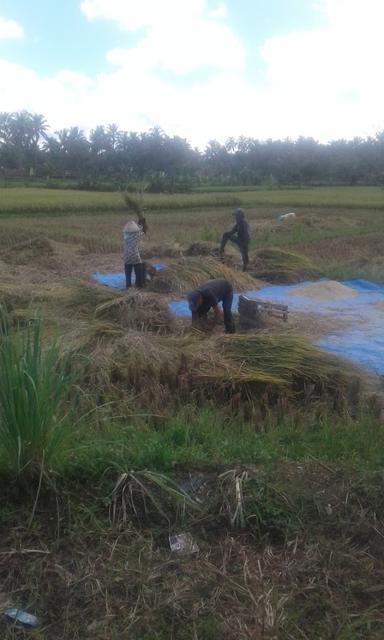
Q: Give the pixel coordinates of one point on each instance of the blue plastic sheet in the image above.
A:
(117, 280)
(362, 338)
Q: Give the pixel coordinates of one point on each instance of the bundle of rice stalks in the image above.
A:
(118, 356)
(141, 358)
(189, 273)
(117, 365)
(265, 367)
(239, 372)
(287, 360)
(83, 298)
(140, 311)
(133, 204)
(276, 265)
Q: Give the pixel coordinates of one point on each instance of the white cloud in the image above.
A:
(219, 12)
(132, 15)
(10, 29)
(179, 36)
(325, 82)
(180, 54)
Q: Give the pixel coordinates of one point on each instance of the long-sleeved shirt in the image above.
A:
(131, 240)
(241, 230)
(213, 292)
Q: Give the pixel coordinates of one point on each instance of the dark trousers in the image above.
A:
(243, 246)
(227, 309)
(139, 274)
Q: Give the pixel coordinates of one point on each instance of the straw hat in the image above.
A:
(131, 227)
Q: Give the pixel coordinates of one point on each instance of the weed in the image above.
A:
(34, 385)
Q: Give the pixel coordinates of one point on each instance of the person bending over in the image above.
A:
(239, 235)
(207, 296)
(132, 233)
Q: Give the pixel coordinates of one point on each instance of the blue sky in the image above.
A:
(202, 69)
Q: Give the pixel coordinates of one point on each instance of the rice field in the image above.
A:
(128, 406)
(58, 201)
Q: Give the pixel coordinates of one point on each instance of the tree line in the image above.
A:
(108, 155)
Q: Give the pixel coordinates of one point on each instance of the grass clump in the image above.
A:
(33, 390)
(276, 265)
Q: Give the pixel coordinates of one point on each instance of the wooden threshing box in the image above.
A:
(253, 311)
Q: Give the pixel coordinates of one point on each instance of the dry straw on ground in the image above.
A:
(165, 370)
(289, 550)
(203, 248)
(188, 273)
(139, 311)
(23, 253)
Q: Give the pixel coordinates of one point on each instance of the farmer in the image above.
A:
(207, 296)
(239, 235)
(132, 233)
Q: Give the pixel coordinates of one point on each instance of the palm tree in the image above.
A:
(39, 127)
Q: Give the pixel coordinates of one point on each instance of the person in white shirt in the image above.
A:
(132, 234)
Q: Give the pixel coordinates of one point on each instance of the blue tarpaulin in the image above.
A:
(362, 338)
(117, 280)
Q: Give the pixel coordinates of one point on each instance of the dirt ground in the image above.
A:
(59, 262)
(29, 266)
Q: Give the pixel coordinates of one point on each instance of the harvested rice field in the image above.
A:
(160, 481)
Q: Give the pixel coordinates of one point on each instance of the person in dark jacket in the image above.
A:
(239, 235)
(207, 296)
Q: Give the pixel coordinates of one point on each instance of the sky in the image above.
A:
(199, 69)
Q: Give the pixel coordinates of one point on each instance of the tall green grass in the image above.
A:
(61, 201)
(34, 385)
(203, 438)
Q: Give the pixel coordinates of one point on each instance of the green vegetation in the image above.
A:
(29, 200)
(208, 438)
(36, 200)
(33, 389)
